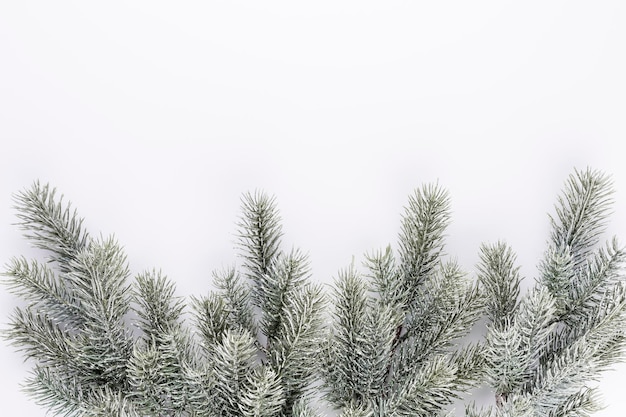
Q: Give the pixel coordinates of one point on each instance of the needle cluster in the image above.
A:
(391, 338)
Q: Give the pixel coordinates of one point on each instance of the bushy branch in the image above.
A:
(569, 327)
(104, 347)
(391, 350)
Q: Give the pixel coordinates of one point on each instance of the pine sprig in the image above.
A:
(264, 396)
(296, 351)
(38, 284)
(569, 328)
(260, 235)
(387, 337)
(500, 279)
(232, 362)
(581, 213)
(50, 224)
(421, 239)
(102, 346)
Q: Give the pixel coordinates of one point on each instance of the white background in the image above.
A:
(153, 119)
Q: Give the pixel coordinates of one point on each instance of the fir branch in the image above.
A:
(449, 306)
(296, 352)
(57, 390)
(386, 280)
(564, 376)
(264, 395)
(156, 373)
(356, 411)
(51, 224)
(427, 392)
(535, 321)
(40, 338)
(302, 409)
(469, 362)
(159, 311)
(602, 271)
(98, 275)
(581, 404)
(65, 394)
(260, 235)
(514, 348)
(557, 271)
(581, 213)
(232, 362)
(38, 284)
(288, 272)
(237, 295)
(500, 279)
(211, 316)
(157, 369)
(346, 363)
(422, 234)
(508, 364)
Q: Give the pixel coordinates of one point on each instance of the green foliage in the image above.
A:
(391, 348)
(544, 349)
(261, 344)
(103, 346)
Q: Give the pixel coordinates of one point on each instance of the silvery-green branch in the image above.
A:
(544, 349)
(103, 343)
(392, 349)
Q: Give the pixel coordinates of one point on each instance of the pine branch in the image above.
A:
(159, 311)
(422, 234)
(581, 213)
(296, 350)
(38, 284)
(387, 282)
(500, 279)
(581, 404)
(237, 295)
(232, 362)
(427, 392)
(347, 357)
(260, 235)
(264, 396)
(50, 224)
(288, 273)
(157, 367)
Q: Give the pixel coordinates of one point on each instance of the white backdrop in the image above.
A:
(153, 119)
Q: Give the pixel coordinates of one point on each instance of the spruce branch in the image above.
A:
(581, 213)
(50, 224)
(569, 328)
(264, 396)
(159, 311)
(394, 346)
(232, 363)
(426, 392)
(38, 284)
(212, 319)
(500, 280)
(386, 336)
(421, 239)
(296, 351)
(260, 235)
(288, 273)
(237, 295)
